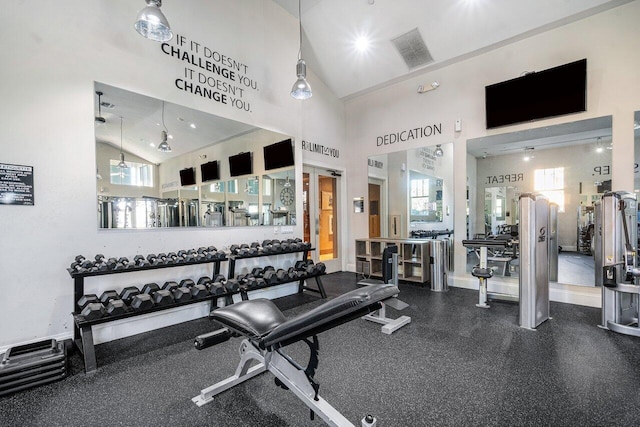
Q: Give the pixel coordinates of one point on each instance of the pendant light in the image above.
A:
(301, 88)
(164, 145)
(439, 152)
(99, 119)
(122, 164)
(287, 183)
(152, 24)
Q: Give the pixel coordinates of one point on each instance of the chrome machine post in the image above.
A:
(553, 242)
(620, 290)
(534, 260)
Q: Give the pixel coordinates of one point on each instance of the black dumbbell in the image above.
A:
(128, 293)
(251, 283)
(108, 296)
(256, 272)
(141, 302)
(285, 247)
(268, 268)
(203, 280)
(88, 265)
(181, 294)
(153, 259)
(219, 278)
(170, 286)
(116, 307)
(232, 285)
(270, 277)
(140, 261)
(86, 300)
(301, 265)
(80, 259)
(199, 291)
(162, 297)
(186, 283)
(99, 258)
(93, 311)
(321, 268)
(171, 258)
(124, 262)
(282, 275)
(260, 283)
(234, 249)
(150, 288)
(216, 288)
(266, 242)
(111, 263)
(163, 257)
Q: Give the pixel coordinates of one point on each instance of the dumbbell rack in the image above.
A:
(301, 286)
(82, 333)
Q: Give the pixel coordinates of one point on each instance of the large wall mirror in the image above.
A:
(164, 165)
(411, 192)
(569, 163)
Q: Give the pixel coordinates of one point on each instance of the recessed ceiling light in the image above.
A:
(170, 136)
(152, 144)
(362, 43)
(192, 125)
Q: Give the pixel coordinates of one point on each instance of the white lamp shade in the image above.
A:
(301, 88)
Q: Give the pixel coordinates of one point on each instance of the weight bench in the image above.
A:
(266, 331)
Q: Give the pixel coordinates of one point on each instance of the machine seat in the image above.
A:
(482, 273)
(261, 321)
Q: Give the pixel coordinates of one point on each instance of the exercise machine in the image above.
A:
(266, 332)
(616, 261)
(389, 275)
(534, 243)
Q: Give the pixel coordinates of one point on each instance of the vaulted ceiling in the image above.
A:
(452, 30)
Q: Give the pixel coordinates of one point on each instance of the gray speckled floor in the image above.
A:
(454, 364)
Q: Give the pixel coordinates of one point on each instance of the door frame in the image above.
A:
(342, 212)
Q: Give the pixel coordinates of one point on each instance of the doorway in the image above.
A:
(374, 210)
(321, 218)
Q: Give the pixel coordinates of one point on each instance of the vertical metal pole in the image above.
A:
(482, 290)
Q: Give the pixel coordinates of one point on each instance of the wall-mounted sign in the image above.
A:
(211, 74)
(410, 134)
(508, 178)
(376, 164)
(16, 185)
(320, 149)
(358, 204)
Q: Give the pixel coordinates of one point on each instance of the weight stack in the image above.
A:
(31, 365)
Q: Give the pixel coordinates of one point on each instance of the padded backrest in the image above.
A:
(329, 314)
(253, 319)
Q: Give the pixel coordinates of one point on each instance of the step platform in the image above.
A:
(31, 365)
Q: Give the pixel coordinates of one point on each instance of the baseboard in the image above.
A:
(558, 292)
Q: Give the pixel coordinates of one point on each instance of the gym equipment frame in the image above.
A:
(267, 331)
(616, 257)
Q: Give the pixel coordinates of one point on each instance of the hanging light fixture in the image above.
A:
(122, 164)
(439, 152)
(164, 145)
(599, 147)
(152, 24)
(528, 154)
(301, 88)
(287, 183)
(99, 119)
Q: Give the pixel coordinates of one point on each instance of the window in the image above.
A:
(550, 182)
(420, 197)
(137, 174)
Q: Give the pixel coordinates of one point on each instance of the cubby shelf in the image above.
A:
(413, 258)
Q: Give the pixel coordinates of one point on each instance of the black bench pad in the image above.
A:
(261, 320)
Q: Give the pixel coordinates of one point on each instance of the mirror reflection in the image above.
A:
(569, 163)
(163, 165)
(411, 193)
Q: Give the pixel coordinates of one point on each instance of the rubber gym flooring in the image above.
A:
(453, 365)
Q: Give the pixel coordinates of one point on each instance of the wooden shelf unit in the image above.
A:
(413, 258)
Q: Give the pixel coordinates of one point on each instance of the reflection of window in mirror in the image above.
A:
(267, 184)
(550, 182)
(232, 186)
(135, 174)
(500, 208)
(420, 196)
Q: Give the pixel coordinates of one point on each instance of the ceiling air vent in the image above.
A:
(412, 49)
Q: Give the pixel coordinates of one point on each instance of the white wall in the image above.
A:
(607, 40)
(54, 54)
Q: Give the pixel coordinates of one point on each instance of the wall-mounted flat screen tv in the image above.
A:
(188, 176)
(240, 164)
(278, 155)
(553, 92)
(210, 171)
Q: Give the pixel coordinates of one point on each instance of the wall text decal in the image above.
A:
(211, 74)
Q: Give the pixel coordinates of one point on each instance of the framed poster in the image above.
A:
(16, 185)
